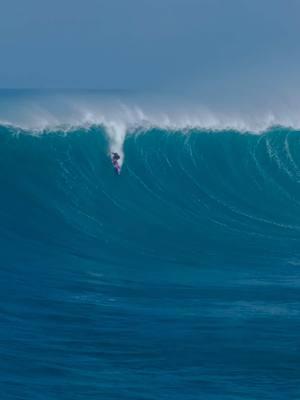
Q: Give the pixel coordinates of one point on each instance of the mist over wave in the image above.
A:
(122, 112)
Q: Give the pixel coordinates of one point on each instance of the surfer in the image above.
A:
(115, 156)
(115, 162)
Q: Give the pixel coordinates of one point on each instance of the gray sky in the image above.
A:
(150, 44)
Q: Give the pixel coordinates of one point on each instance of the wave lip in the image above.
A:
(40, 111)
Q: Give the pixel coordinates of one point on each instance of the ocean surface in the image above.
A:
(178, 279)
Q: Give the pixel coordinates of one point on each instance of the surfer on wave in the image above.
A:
(115, 162)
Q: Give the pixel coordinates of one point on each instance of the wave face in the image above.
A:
(200, 191)
(176, 279)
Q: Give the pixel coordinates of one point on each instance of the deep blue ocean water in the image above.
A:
(178, 279)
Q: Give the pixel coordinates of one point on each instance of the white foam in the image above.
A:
(121, 115)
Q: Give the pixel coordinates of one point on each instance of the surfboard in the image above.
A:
(117, 167)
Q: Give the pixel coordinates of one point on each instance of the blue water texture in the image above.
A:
(178, 279)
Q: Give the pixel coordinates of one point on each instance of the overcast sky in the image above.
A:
(149, 44)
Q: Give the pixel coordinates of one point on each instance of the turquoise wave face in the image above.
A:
(188, 196)
(177, 279)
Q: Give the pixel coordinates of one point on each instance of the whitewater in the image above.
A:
(177, 279)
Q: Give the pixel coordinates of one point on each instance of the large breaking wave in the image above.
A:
(191, 196)
(177, 278)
